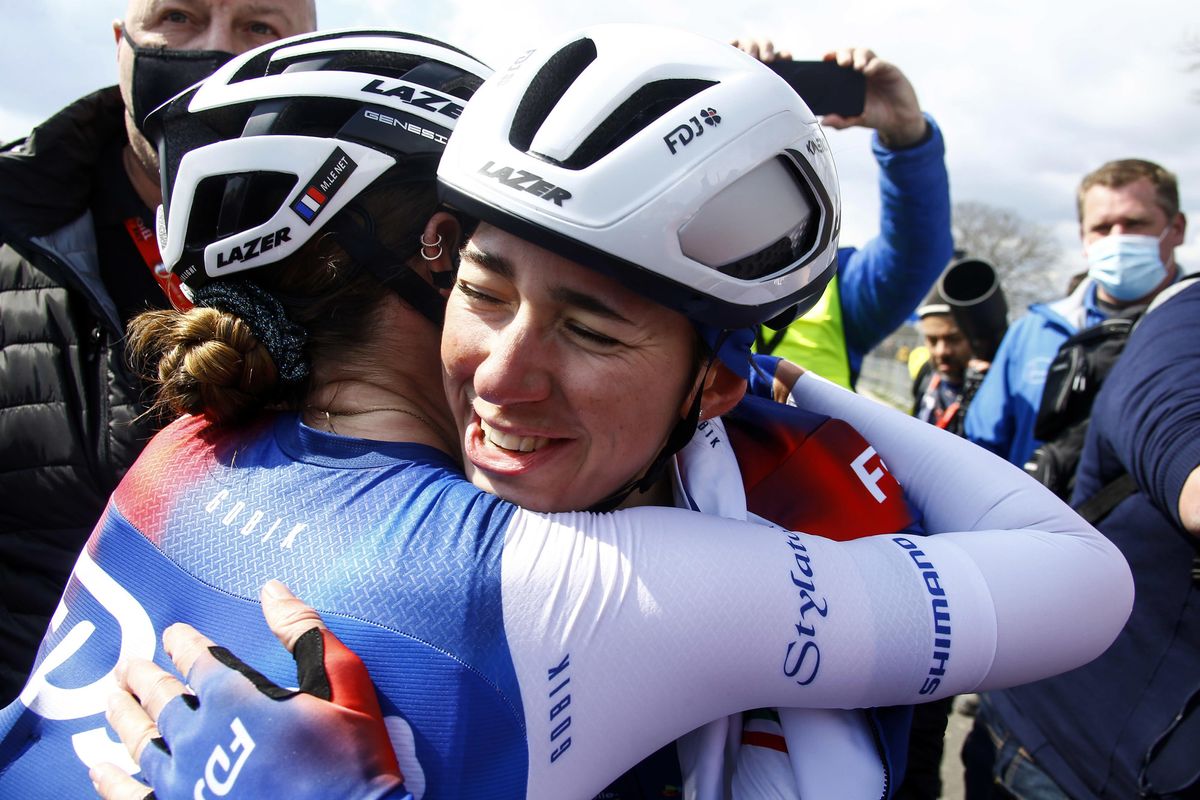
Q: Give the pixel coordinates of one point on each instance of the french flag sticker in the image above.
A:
(322, 186)
(309, 203)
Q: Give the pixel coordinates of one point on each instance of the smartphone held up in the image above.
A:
(826, 87)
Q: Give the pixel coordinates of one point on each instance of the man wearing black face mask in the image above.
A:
(78, 257)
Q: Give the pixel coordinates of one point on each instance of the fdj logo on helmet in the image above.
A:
(685, 133)
(526, 182)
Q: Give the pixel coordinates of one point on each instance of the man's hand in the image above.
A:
(891, 106)
(1189, 503)
(241, 736)
(762, 49)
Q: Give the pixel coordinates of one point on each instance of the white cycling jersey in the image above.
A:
(540, 655)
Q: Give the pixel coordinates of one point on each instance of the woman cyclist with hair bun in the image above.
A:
(518, 653)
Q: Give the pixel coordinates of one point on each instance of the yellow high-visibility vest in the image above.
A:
(815, 341)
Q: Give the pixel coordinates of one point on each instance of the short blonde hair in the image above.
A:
(1123, 172)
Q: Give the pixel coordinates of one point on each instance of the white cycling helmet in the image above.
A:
(596, 146)
(259, 156)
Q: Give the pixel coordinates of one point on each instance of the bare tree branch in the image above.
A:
(1191, 50)
(1025, 254)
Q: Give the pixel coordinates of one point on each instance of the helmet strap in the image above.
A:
(680, 435)
(390, 268)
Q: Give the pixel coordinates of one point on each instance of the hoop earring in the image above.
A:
(426, 245)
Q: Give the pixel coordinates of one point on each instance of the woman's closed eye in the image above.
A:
(474, 293)
(591, 336)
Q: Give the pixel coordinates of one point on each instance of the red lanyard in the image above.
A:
(948, 413)
(147, 244)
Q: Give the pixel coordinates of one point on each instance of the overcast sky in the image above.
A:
(1030, 94)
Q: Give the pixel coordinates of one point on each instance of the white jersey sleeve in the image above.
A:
(1062, 591)
(721, 616)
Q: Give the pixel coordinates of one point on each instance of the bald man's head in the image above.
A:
(232, 25)
(217, 26)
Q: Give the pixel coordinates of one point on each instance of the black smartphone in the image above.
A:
(824, 86)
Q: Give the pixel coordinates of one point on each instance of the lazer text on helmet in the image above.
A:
(527, 182)
(416, 97)
(254, 247)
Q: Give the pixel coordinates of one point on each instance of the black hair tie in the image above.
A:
(267, 319)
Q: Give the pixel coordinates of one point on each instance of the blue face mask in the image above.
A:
(1127, 265)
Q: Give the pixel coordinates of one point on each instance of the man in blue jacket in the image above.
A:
(1130, 224)
(879, 285)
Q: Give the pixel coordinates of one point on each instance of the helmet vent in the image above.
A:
(770, 259)
(226, 204)
(643, 108)
(547, 87)
(444, 78)
(757, 225)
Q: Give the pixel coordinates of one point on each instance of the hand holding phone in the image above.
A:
(824, 86)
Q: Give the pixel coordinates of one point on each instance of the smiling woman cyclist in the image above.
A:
(516, 653)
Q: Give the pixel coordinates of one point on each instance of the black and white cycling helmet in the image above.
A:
(259, 156)
(595, 145)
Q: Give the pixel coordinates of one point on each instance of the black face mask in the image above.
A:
(160, 74)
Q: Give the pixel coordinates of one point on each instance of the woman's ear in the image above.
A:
(723, 389)
(437, 257)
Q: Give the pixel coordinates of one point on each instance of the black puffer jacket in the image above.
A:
(68, 402)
